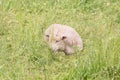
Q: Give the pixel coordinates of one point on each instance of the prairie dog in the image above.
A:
(63, 38)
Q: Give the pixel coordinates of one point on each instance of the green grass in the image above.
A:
(24, 54)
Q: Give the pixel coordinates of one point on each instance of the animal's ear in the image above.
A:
(64, 37)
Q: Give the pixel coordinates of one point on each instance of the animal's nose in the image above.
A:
(54, 49)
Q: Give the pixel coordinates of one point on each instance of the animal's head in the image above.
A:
(56, 42)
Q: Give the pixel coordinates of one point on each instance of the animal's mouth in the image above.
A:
(58, 50)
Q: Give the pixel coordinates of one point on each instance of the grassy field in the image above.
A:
(24, 54)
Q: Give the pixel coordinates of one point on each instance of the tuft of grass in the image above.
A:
(24, 55)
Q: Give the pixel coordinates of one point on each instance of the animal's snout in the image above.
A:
(55, 48)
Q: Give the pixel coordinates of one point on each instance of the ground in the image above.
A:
(24, 55)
